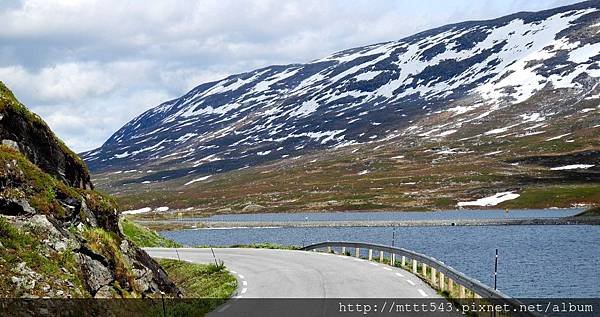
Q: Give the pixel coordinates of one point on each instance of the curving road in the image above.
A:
(264, 273)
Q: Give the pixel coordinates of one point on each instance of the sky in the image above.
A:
(87, 67)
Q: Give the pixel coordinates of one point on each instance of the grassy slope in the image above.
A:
(551, 196)
(207, 286)
(200, 280)
(144, 237)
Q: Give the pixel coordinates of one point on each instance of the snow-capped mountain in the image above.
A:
(361, 95)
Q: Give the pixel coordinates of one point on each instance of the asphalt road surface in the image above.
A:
(265, 273)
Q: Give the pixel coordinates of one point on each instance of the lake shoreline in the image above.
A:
(182, 225)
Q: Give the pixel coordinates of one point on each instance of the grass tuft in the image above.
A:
(144, 238)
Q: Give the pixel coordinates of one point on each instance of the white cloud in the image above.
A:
(89, 66)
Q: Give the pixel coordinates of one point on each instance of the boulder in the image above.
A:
(15, 207)
(11, 144)
(88, 215)
(96, 274)
(104, 292)
(253, 208)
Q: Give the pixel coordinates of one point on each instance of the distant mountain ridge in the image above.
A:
(363, 95)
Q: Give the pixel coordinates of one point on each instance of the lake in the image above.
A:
(535, 261)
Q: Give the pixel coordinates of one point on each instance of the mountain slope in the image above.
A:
(479, 80)
(59, 238)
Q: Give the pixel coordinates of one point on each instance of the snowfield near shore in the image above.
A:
(491, 200)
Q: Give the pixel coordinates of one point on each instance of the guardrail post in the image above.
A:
(462, 291)
(344, 250)
(357, 252)
(424, 269)
(370, 254)
(450, 286)
(329, 249)
(403, 261)
(381, 256)
(442, 281)
(433, 276)
(392, 259)
(414, 266)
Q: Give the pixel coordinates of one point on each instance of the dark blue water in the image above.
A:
(535, 261)
(373, 216)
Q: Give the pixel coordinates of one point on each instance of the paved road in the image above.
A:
(264, 273)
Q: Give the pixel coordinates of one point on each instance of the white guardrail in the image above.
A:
(439, 275)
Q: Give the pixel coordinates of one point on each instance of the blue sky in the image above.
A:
(88, 67)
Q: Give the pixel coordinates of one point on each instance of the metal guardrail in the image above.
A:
(475, 286)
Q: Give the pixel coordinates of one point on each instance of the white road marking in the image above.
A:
(233, 272)
(422, 292)
(374, 264)
(244, 283)
(399, 274)
(245, 289)
(411, 282)
(241, 276)
(224, 308)
(387, 269)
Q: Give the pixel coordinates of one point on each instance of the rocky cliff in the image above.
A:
(59, 237)
(26, 132)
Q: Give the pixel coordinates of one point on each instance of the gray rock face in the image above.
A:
(15, 207)
(11, 143)
(104, 292)
(97, 275)
(143, 280)
(37, 142)
(88, 215)
(69, 233)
